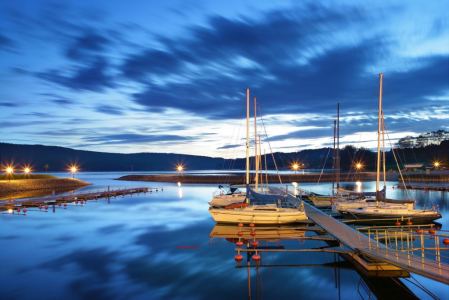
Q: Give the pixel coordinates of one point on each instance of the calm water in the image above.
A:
(133, 248)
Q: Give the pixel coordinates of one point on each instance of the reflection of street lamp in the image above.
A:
(9, 170)
(73, 170)
(295, 167)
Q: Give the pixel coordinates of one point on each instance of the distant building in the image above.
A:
(412, 167)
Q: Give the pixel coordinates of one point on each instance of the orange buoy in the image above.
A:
(446, 242)
(398, 223)
(240, 225)
(253, 233)
(40, 206)
(76, 202)
(24, 210)
(239, 233)
(256, 258)
(419, 230)
(239, 244)
(18, 210)
(409, 223)
(46, 207)
(431, 231)
(238, 258)
(254, 244)
(65, 204)
(59, 204)
(82, 201)
(251, 225)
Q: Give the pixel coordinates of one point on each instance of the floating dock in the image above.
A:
(74, 197)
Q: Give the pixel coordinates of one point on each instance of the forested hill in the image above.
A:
(60, 158)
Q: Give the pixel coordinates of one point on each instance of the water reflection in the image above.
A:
(130, 249)
(38, 193)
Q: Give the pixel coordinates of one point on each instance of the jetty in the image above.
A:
(423, 187)
(59, 200)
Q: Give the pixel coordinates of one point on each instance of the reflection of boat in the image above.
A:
(257, 207)
(223, 197)
(269, 233)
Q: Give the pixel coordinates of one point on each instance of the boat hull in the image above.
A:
(240, 216)
(416, 218)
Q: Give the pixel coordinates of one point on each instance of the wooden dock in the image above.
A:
(73, 197)
(363, 247)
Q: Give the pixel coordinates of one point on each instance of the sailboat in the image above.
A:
(382, 208)
(259, 208)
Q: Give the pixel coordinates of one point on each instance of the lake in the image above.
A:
(157, 246)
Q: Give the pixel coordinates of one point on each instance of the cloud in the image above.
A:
(6, 43)
(86, 44)
(230, 146)
(110, 110)
(9, 104)
(93, 76)
(135, 138)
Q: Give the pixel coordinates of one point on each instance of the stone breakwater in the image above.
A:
(26, 187)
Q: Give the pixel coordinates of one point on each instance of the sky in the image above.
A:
(170, 76)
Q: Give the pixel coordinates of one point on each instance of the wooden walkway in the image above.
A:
(359, 243)
(73, 197)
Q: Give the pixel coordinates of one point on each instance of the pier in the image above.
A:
(424, 187)
(73, 197)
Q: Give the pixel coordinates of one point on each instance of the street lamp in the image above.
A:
(180, 168)
(436, 164)
(9, 170)
(26, 170)
(358, 166)
(73, 170)
(295, 167)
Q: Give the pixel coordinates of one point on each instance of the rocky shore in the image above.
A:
(33, 187)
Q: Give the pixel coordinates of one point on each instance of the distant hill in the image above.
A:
(60, 158)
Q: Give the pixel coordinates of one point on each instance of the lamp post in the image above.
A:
(26, 170)
(73, 170)
(9, 170)
(295, 167)
(180, 168)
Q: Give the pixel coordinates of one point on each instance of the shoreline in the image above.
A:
(24, 188)
(273, 178)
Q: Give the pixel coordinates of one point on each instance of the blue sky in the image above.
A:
(170, 76)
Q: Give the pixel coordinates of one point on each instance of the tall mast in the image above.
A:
(266, 168)
(256, 157)
(260, 164)
(378, 135)
(333, 161)
(247, 136)
(383, 149)
(338, 145)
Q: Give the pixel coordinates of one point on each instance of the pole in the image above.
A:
(247, 136)
(383, 150)
(266, 168)
(260, 164)
(338, 145)
(378, 137)
(333, 161)
(256, 157)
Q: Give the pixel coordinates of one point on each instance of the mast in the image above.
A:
(260, 163)
(338, 146)
(247, 136)
(383, 150)
(333, 161)
(256, 157)
(266, 168)
(378, 136)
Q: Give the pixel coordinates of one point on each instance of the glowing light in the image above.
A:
(436, 164)
(358, 183)
(26, 170)
(359, 186)
(358, 166)
(179, 168)
(295, 183)
(9, 170)
(10, 211)
(73, 169)
(295, 167)
(179, 183)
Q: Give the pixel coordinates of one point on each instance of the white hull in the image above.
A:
(251, 215)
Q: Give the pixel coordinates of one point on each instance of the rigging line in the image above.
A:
(225, 179)
(319, 178)
(269, 144)
(388, 136)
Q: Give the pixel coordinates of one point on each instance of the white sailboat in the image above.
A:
(258, 208)
(382, 208)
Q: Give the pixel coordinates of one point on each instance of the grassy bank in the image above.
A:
(25, 176)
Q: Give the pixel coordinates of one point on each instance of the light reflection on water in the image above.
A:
(129, 249)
